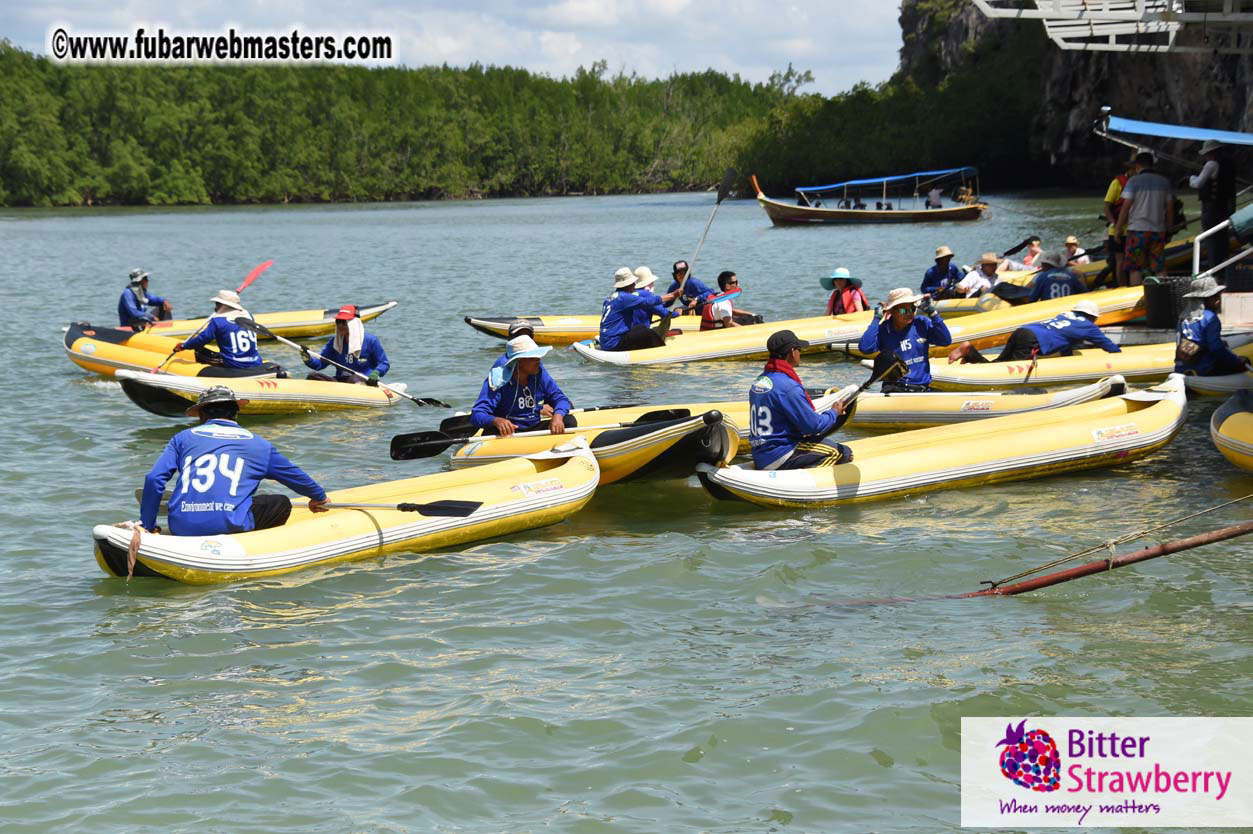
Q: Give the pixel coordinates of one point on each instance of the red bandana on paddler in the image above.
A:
(784, 367)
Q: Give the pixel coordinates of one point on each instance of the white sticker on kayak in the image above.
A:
(539, 487)
(1115, 432)
(978, 405)
(471, 448)
(88, 348)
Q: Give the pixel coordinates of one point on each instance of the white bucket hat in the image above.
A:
(624, 277)
(228, 297)
(138, 275)
(1052, 259)
(901, 295)
(1209, 145)
(1088, 308)
(520, 347)
(1204, 288)
(644, 277)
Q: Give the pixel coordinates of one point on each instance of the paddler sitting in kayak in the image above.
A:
(720, 310)
(625, 316)
(351, 347)
(1200, 349)
(694, 295)
(518, 394)
(846, 294)
(237, 346)
(907, 336)
(218, 466)
(1055, 280)
(1061, 335)
(131, 306)
(784, 430)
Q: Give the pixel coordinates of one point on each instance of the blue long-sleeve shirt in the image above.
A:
(911, 344)
(644, 315)
(371, 358)
(1213, 357)
(520, 403)
(620, 312)
(693, 290)
(129, 308)
(780, 416)
(1069, 331)
(219, 465)
(935, 279)
(237, 345)
(1056, 283)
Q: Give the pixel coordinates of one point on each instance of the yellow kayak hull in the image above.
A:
(107, 350)
(169, 395)
(560, 330)
(1231, 429)
(1102, 433)
(517, 494)
(624, 451)
(1138, 364)
(292, 324)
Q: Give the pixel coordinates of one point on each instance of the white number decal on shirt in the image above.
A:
(207, 468)
(1059, 291)
(241, 341)
(1059, 324)
(761, 424)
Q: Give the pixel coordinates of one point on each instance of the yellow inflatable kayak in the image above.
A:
(842, 333)
(106, 350)
(1101, 433)
(1231, 428)
(169, 395)
(1220, 386)
(622, 447)
(293, 324)
(1140, 364)
(516, 494)
(560, 330)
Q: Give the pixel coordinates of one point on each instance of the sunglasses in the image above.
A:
(733, 283)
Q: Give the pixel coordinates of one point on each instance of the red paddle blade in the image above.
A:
(255, 274)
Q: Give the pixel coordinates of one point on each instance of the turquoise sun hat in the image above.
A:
(522, 347)
(828, 283)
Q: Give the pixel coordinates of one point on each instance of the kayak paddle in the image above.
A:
(252, 276)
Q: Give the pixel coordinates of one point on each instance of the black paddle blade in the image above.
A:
(431, 401)
(249, 324)
(458, 425)
(453, 509)
(664, 414)
(724, 187)
(420, 444)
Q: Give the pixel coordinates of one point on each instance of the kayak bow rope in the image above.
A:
(252, 276)
(249, 324)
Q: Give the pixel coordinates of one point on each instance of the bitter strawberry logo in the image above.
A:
(1030, 758)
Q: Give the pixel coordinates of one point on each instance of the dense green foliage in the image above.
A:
(163, 135)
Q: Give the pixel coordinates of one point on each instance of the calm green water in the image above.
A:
(660, 662)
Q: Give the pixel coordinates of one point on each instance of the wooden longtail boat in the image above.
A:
(844, 195)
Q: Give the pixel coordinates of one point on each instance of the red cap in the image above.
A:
(346, 313)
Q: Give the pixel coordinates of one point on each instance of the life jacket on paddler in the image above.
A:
(707, 320)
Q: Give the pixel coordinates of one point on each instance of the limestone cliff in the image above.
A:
(941, 37)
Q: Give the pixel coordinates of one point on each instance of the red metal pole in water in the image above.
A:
(1104, 565)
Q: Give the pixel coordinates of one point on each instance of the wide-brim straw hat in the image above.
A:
(988, 258)
(524, 347)
(214, 394)
(644, 277)
(943, 252)
(624, 277)
(228, 297)
(901, 295)
(1072, 239)
(1204, 288)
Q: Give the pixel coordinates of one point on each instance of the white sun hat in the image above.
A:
(644, 277)
(1088, 308)
(901, 295)
(624, 277)
(228, 297)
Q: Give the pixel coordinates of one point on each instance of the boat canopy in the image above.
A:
(944, 172)
(1196, 134)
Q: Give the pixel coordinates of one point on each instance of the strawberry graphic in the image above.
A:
(1030, 758)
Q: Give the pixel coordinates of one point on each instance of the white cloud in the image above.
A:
(841, 44)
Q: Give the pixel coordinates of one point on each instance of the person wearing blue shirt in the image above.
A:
(694, 294)
(644, 282)
(1063, 334)
(217, 467)
(351, 347)
(131, 307)
(1201, 350)
(906, 335)
(518, 394)
(625, 315)
(1056, 281)
(940, 280)
(784, 430)
(237, 346)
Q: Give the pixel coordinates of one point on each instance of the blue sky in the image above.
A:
(840, 44)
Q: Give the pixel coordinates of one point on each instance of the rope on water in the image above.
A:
(1110, 544)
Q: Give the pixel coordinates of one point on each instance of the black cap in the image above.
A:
(679, 266)
(520, 328)
(780, 344)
